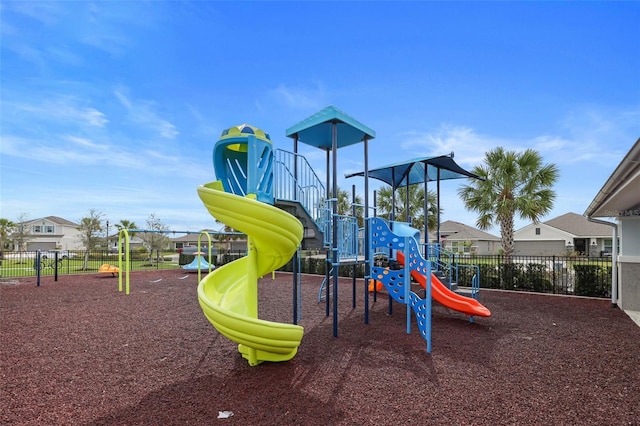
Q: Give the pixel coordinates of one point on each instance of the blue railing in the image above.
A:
(295, 180)
(447, 262)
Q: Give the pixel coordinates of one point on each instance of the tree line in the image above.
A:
(92, 235)
(512, 183)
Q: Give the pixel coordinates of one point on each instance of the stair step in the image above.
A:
(312, 237)
(467, 292)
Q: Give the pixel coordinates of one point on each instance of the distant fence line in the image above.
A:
(571, 275)
(72, 262)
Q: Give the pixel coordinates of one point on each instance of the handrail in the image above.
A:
(295, 180)
(446, 261)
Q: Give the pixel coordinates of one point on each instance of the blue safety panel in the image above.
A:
(395, 280)
(244, 164)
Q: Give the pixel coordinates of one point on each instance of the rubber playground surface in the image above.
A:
(77, 351)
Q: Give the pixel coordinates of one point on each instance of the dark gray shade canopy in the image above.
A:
(413, 171)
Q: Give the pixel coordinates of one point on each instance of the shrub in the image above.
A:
(535, 278)
(510, 276)
(489, 276)
(465, 276)
(592, 280)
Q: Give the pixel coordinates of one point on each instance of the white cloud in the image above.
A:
(113, 44)
(468, 146)
(123, 98)
(84, 142)
(13, 145)
(47, 13)
(142, 112)
(204, 127)
(62, 109)
(300, 97)
(76, 152)
(601, 134)
(94, 117)
(589, 135)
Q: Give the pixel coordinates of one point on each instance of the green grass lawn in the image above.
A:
(15, 268)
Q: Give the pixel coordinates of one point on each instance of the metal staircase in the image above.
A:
(448, 270)
(298, 190)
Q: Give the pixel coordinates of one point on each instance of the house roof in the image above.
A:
(579, 226)
(215, 235)
(54, 219)
(193, 236)
(453, 230)
(619, 196)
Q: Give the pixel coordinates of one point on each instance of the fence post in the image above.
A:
(553, 273)
(55, 262)
(37, 264)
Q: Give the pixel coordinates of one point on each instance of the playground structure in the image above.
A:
(198, 264)
(109, 269)
(124, 254)
(254, 180)
(241, 199)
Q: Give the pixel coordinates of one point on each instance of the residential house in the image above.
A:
(235, 243)
(460, 238)
(619, 198)
(135, 243)
(570, 233)
(51, 233)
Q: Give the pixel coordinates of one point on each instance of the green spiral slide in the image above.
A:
(228, 296)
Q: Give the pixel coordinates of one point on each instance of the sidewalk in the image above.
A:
(635, 316)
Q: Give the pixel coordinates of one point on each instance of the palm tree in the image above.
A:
(126, 224)
(415, 206)
(345, 205)
(226, 236)
(514, 183)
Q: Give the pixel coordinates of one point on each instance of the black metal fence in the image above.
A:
(572, 275)
(67, 262)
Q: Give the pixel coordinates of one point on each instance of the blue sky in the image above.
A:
(116, 106)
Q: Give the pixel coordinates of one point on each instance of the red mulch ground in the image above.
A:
(78, 352)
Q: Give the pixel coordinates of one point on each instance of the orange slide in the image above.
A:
(446, 297)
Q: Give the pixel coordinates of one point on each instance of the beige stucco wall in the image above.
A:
(539, 248)
(629, 298)
(546, 233)
(630, 237)
(629, 264)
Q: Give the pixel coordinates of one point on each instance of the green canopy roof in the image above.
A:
(316, 130)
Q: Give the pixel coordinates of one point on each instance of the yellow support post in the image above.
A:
(209, 257)
(127, 262)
